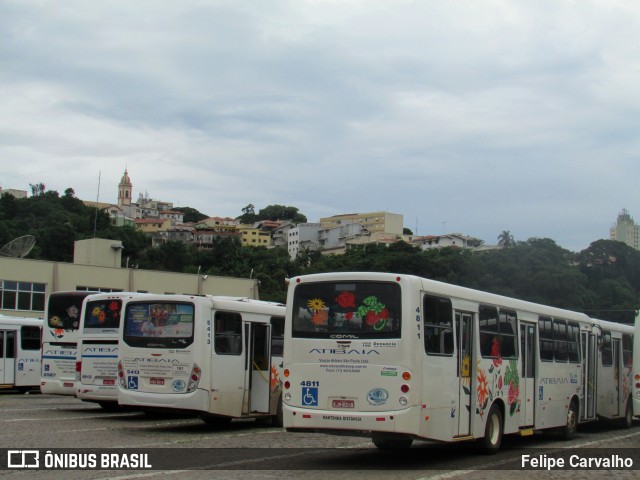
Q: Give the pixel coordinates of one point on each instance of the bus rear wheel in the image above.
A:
(492, 440)
(569, 430)
(387, 441)
(627, 420)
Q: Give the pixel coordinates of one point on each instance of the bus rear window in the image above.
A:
(64, 310)
(163, 325)
(102, 314)
(347, 310)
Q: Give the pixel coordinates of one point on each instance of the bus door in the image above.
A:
(258, 367)
(616, 376)
(588, 342)
(464, 324)
(528, 343)
(7, 357)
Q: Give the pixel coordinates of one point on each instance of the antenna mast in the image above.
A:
(95, 220)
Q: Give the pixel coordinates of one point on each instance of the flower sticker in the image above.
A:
(346, 300)
(374, 312)
(316, 304)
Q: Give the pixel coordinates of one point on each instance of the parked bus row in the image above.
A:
(392, 357)
(215, 356)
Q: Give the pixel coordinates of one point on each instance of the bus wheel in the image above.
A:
(569, 430)
(278, 420)
(492, 440)
(627, 420)
(109, 406)
(389, 441)
(215, 421)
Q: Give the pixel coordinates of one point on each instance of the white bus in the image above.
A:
(636, 368)
(97, 362)
(217, 357)
(398, 358)
(60, 342)
(20, 352)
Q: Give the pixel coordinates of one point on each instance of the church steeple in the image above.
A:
(125, 189)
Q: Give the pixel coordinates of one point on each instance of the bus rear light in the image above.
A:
(380, 419)
(78, 367)
(194, 378)
(287, 397)
(406, 376)
(403, 401)
(404, 388)
(121, 380)
(286, 372)
(306, 415)
(287, 385)
(637, 377)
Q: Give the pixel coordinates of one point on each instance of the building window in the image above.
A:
(98, 289)
(26, 296)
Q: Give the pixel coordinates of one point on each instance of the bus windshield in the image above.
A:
(100, 314)
(163, 325)
(354, 309)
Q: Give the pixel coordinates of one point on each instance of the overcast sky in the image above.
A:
(464, 116)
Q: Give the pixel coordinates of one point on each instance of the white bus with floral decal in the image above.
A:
(398, 358)
(60, 342)
(216, 357)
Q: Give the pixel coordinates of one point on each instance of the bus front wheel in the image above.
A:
(569, 430)
(389, 441)
(492, 440)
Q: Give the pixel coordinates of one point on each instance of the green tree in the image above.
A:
(191, 215)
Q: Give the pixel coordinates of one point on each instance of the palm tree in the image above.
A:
(505, 239)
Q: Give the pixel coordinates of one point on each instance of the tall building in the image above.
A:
(625, 230)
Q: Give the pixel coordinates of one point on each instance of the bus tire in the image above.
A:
(627, 420)
(278, 418)
(215, 421)
(492, 440)
(109, 406)
(388, 441)
(569, 430)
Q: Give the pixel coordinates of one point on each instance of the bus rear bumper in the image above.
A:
(197, 401)
(397, 421)
(97, 393)
(58, 387)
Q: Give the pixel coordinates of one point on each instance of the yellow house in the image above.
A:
(252, 236)
(153, 225)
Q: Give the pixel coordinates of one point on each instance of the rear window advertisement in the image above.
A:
(159, 320)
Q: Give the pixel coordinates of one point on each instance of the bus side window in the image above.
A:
(607, 353)
(627, 350)
(277, 336)
(228, 333)
(438, 326)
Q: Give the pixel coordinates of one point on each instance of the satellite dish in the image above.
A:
(18, 248)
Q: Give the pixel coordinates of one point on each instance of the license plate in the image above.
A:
(108, 382)
(68, 385)
(157, 381)
(342, 404)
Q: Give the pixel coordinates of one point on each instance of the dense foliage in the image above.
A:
(603, 280)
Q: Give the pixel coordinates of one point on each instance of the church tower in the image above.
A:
(125, 190)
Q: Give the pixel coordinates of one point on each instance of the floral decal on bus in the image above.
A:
(359, 309)
(372, 310)
(499, 381)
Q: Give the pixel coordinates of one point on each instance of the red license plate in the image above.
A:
(108, 382)
(68, 385)
(157, 381)
(342, 404)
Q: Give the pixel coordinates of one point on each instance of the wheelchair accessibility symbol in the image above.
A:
(133, 383)
(310, 396)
